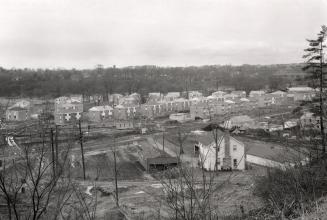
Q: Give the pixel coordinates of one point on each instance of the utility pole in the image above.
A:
(163, 140)
(116, 172)
(53, 153)
(82, 150)
(57, 152)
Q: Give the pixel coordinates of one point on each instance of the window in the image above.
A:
(218, 161)
(234, 148)
(235, 163)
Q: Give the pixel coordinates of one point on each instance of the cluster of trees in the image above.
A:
(141, 79)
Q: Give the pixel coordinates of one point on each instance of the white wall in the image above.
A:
(208, 155)
(264, 162)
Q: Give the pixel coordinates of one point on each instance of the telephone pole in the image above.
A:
(116, 173)
(82, 149)
(57, 152)
(53, 153)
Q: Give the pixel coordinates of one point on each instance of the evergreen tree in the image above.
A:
(315, 64)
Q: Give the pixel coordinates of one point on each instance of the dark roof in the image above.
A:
(17, 109)
(207, 138)
(148, 151)
(272, 151)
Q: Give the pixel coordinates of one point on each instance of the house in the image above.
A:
(22, 104)
(194, 94)
(153, 159)
(132, 99)
(17, 114)
(238, 94)
(243, 121)
(230, 154)
(279, 93)
(154, 97)
(256, 93)
(171, 96)
(181, 117)
(310, 121)
(68, 109)
(114, 99)
(100, 113)
(268, 154)
(302, 93)
(218, 94)
(201, 110)
(124, 124)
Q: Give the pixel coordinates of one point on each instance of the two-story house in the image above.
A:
(230, 154)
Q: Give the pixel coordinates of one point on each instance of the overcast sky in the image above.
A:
(83, 33)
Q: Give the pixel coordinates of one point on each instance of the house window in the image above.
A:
(234, 148)
(218, 161)
(235, 163)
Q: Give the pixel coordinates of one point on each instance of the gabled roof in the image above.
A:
(301, 89)
(101, 108)
(207, 138)
(278, 92)
(272, 151)
(17, 109)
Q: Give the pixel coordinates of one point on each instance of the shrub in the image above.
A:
(289, 192)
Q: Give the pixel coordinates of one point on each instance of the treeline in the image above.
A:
(141, 79)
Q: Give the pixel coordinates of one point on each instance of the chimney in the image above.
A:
(227, 161)
(227, 144)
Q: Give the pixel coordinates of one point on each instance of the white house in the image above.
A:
(239, 121)
(231, 152)
(171, 96)
(256, 93)
(181, 117)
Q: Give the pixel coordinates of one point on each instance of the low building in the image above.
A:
(171, 96)
(17, 114)
(230, 154)
(181, 117)
(256, 93)
(279, 93)
(243, 121)
(124, 124)
(153, 159)
(201, 110)
(218, 94)
(114, 99)
(154, 97)
(238, 94)
(310, 121)
(194, 94)
(302, 93)
(266, 154)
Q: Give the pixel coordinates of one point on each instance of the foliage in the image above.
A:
(141, 79)
(289, 192)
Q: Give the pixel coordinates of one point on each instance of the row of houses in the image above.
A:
(236, 102)
(73, 108)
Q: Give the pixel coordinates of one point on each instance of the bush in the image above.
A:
(289, 192)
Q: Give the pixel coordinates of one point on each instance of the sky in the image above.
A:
(84, 33)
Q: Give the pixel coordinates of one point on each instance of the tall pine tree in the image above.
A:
(316, 65)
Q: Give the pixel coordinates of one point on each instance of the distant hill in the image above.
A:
(145, 79)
